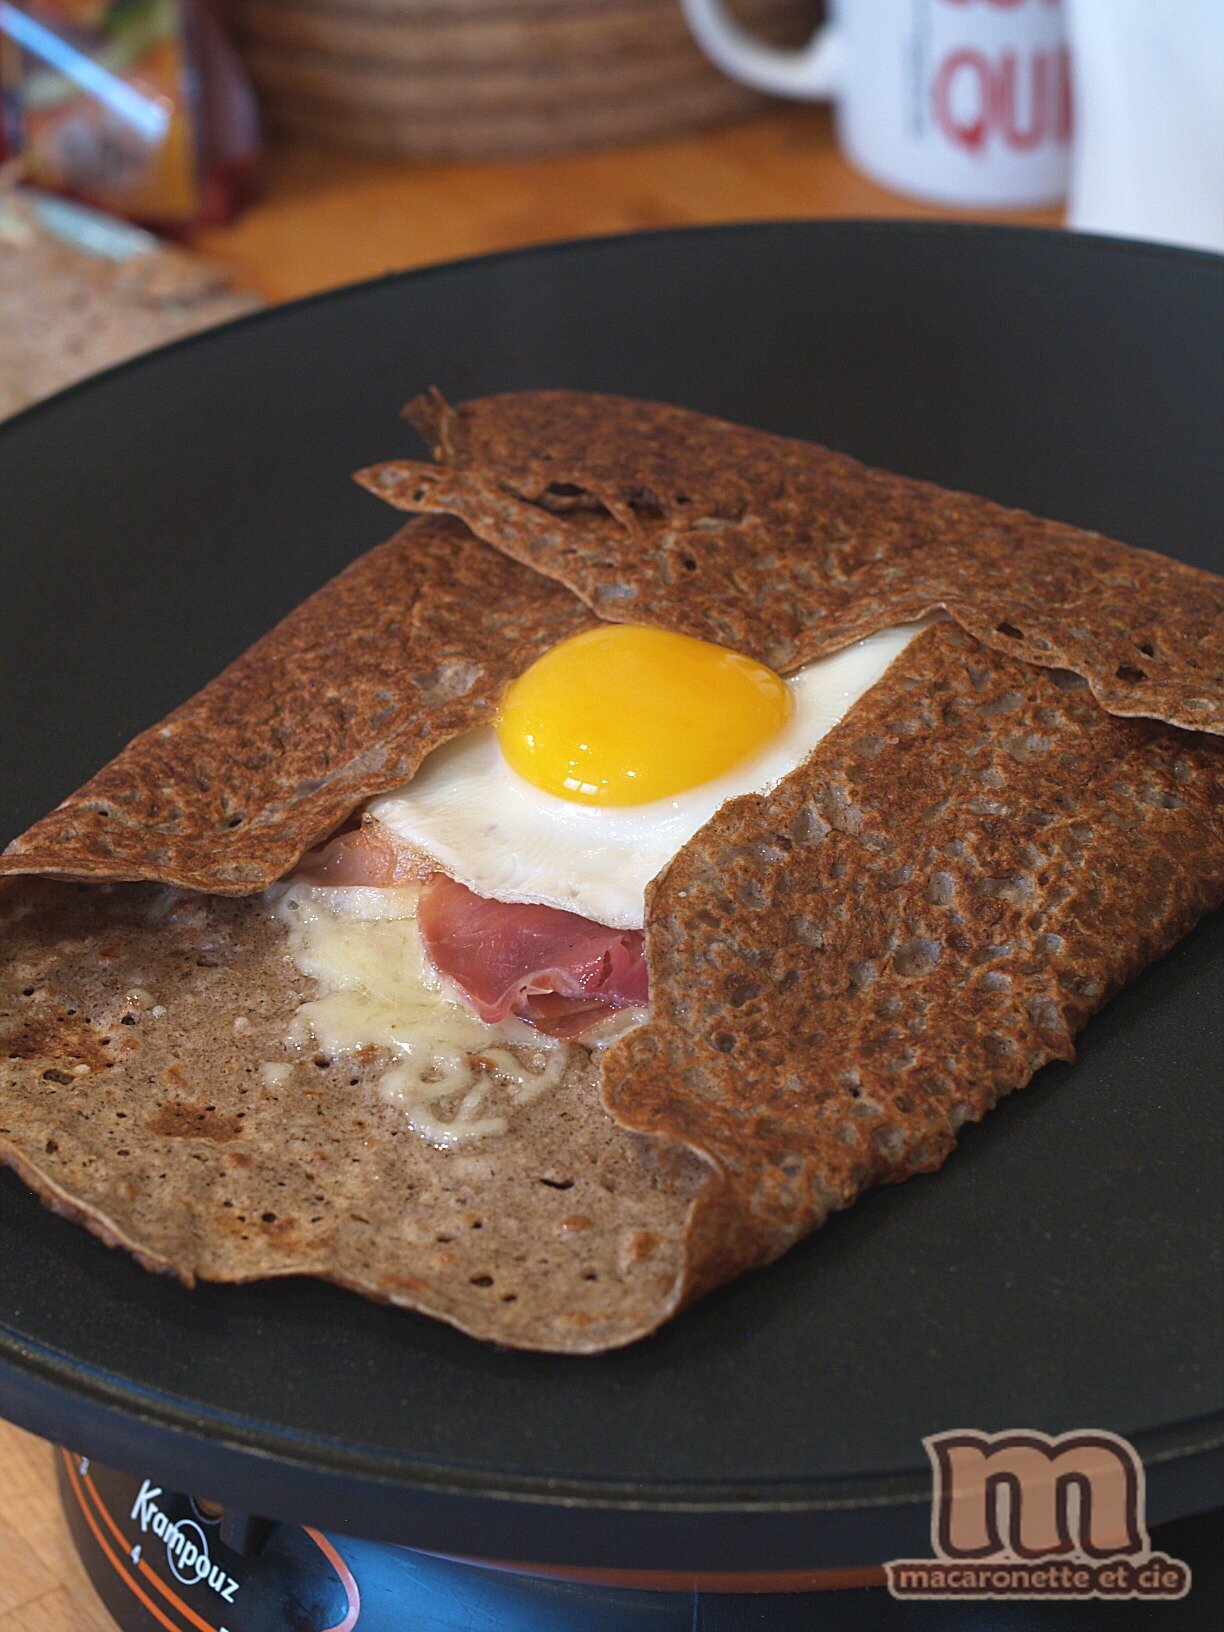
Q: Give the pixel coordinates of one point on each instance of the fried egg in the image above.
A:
(608, 754)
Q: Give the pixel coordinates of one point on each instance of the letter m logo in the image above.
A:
(1033, 1495)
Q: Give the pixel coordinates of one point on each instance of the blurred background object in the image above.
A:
(488, 78)
(137, 106)
(79, 290)
(966, 104)
(1149, 96)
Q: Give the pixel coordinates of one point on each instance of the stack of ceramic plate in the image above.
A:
(468, 78)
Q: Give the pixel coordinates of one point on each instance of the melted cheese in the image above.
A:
(455, 1078)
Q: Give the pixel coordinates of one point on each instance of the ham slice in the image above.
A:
(555, 969)
(360, 856)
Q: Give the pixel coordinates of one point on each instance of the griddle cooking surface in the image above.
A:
(1061, 1271)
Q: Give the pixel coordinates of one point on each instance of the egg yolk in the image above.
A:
(624, 715)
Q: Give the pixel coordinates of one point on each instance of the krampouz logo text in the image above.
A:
(185, 1542)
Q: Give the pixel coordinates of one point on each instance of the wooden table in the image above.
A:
(321, 219)
(43, 1587)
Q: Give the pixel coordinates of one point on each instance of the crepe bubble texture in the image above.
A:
(1004, 830)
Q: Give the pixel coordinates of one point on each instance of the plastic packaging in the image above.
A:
(138, 106)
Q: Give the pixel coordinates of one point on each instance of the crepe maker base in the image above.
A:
(163, 1560)
(1061, 1271)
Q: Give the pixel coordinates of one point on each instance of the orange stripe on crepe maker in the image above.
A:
(346, 1581)
(129, 1581)
(834, 1580)
(337, 1563)
(145, 1568)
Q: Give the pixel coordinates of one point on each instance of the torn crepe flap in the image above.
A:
(787, 551)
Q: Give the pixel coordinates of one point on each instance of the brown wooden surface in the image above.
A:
(42, 1585)
(320, 219)
(323, 218)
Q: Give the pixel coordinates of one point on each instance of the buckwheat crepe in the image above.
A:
(1005, 829)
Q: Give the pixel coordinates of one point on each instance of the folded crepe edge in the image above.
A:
(686, 1287)
(714, 1223)
(498, 507)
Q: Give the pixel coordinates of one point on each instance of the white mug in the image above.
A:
(1149, 109)
(957, 101)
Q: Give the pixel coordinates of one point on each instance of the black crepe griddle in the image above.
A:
(1061, 1271)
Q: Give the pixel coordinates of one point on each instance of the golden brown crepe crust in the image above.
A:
(410, 645)
(787, 551)
(845, 971)
(564, 1234)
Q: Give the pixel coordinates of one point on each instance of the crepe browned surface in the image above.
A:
(788, 551)
(843, 971)
(566, 1233)
(847, 970)
(411, 644)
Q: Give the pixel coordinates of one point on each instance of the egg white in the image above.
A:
(468, 812)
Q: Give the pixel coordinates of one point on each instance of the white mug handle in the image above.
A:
(810, 73)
